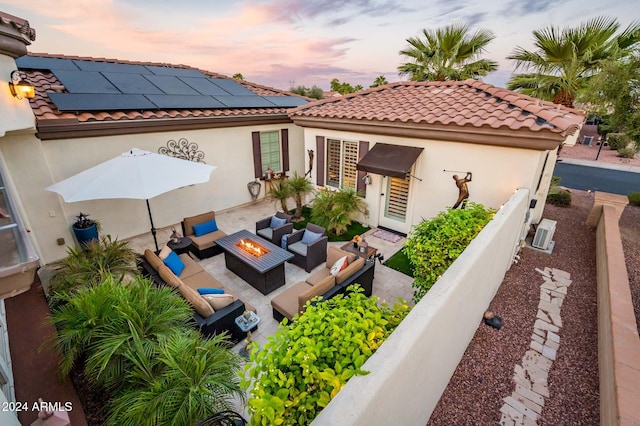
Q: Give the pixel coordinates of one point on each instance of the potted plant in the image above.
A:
(85, 229)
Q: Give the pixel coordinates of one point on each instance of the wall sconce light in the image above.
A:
(367, 179)
(21, 88)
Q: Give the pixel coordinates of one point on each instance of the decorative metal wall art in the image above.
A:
(183, 149)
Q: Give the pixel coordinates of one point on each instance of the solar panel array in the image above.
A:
(107, 86)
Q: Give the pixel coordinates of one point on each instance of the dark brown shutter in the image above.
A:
(320, 160)
(257, 154)
(363, 148)
(284, 136)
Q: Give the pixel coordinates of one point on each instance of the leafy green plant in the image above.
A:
(299, 186)
(281, 192)
(433, 245)
(617, 140)
(306, 363)
(627, 152)
(634, 198)
(195, 378)
(559, 197)
(335, 210)
(400, 262)
(90, 265)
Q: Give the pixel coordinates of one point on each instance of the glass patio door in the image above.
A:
(394, 202)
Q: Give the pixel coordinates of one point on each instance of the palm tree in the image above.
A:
(447, 53)
(565, 59)
(380, 80)
(299, 186)
(280, 192)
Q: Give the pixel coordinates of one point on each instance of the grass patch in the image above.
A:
(354, 229)
(400, 262)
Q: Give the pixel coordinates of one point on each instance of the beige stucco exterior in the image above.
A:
(34, 164)
(497, 172)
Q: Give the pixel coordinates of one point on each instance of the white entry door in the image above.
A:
(393, 203)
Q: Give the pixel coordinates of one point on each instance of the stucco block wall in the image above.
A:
(37, 164)
(16, 113)
(413, 366)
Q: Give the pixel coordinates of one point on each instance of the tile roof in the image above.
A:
(46, 82)
(21, 25)
(469, 104)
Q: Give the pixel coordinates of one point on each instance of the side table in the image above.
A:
(367, 254)
(247, 325)
(182, 246)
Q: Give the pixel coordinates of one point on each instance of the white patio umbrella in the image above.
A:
(134, 174)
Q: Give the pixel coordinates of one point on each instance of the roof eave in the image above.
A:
(70, 128)
(522, 138)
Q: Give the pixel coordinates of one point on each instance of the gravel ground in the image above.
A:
(484, 375)
(583, 152)
(630, 230)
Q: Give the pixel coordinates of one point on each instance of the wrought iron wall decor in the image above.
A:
(254, 189)
(183, 149)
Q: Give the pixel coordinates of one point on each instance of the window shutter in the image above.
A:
(363, 148)
(257, 155)
(320, 160)
(284, 139)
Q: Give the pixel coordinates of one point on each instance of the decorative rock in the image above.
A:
(537, 338)
(545, 326)
(557, 273)
(555, 318)
(536, 346)
(541, 388)
(549, 352)
(552, 344)
(553, 337)
(543, 273)
(541, 315)
(549, 307)
(530, 395)
(545, 296)
(557, 301)
(520, 407)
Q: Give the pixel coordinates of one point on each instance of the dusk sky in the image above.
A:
(282, 42)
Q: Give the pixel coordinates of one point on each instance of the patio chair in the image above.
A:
(268, 229)
(309, 246)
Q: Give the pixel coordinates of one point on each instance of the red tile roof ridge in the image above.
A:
(22, 25)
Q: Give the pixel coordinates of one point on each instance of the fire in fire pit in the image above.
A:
(252, 248)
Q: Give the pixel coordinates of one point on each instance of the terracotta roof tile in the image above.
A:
(21, 25)
(46, 82)
(463, 103)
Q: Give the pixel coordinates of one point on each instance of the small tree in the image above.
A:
(281, 192)
(238, 76)
(335, 210)
(381, 80)
(299, 186)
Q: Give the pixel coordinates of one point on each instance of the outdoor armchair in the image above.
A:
(309, 246)
(265, 230)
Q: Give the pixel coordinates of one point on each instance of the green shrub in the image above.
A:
(559, 197)
(617, 140)
(306, 363)
(435, 244)
(626, 152)
(335, 210)
(555, 181)
(634, 198)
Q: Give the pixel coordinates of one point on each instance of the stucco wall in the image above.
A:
(413, 366)
(16, 114)
(35, 164)
(497, 173)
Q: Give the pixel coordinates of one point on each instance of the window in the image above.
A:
(270, 151)
(342, 157)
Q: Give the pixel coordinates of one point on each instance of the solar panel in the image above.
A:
(254, 101)
(110, 67)
(132, 83)
(103, 102)
(175, 72)
(204, 86)
(184, 101)
(40, 63)
(170, 85)
(85, 82)
(286, 101)
(232, 87)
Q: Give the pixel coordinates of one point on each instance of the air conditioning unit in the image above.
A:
(544, 234)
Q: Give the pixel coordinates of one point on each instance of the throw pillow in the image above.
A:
(211, 290)
(218, 301)
(174, 263)
(339, 265)
(205, 228)
(276, 222)
(164, 252)
(310, 237)
(283, 241)
(200, 305)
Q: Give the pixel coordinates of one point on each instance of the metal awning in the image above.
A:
(389, 160)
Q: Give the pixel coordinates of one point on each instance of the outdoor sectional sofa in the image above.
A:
(191, 278)
(202, 245)
(324, 283)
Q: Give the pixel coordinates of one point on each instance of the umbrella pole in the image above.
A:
(153, 229)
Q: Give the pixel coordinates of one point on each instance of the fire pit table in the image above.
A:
(255, 260)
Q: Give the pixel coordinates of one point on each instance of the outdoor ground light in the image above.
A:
(21, 88)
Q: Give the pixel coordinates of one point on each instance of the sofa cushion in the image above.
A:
(205, 228)
(287, 302)
(164, 253)
(310, 237)
(194, 220)
(207, 240)
(218, 301)
(199, 304)
(339, 265)
(152, 259)
(316, 290)
(210, 290)
(169, 277)
(174, 263)
(354, 267)
(202, 280)
(334, 253)
(298, 248)
(266, 233)
(191, 267)
(276, 222)
(318, 276)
